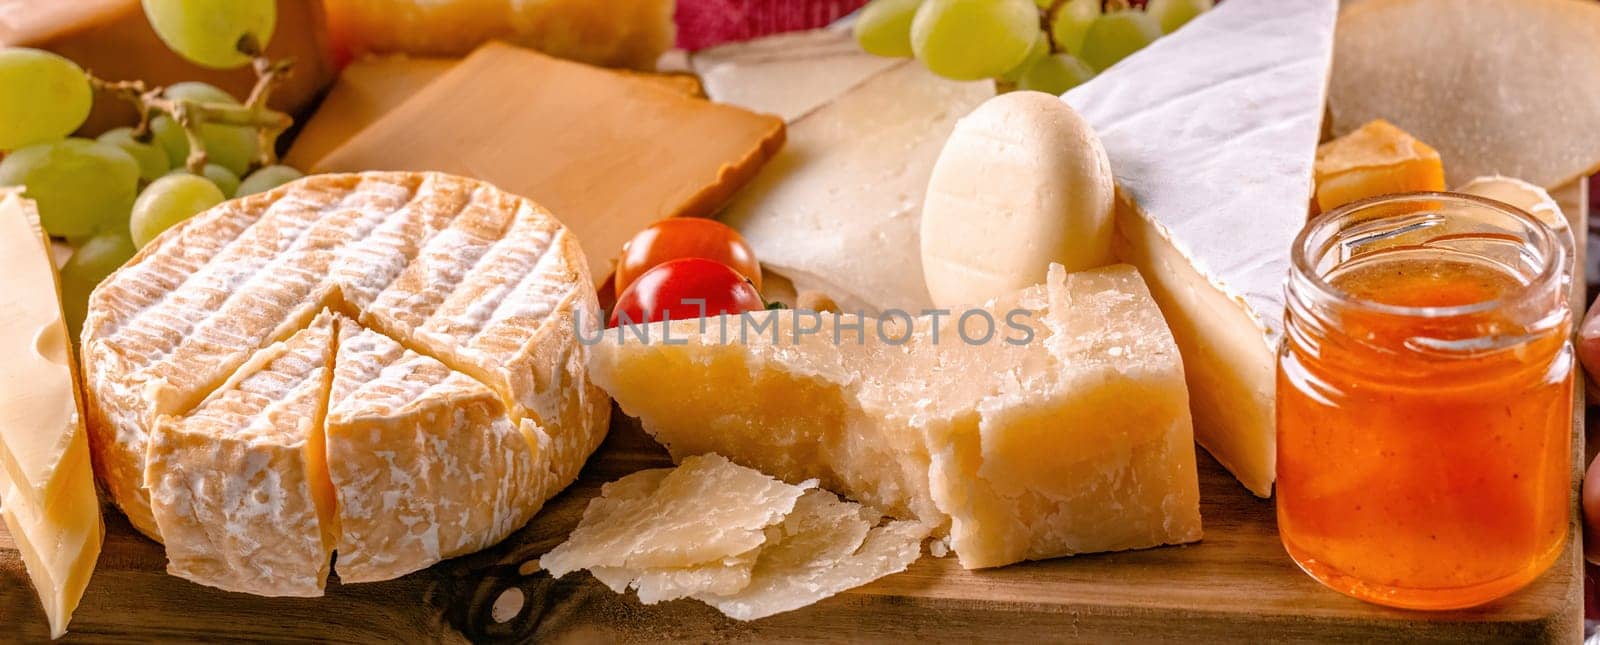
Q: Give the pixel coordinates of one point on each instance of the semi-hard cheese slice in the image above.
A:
(844, 198)
(1213, 148)
(1060, 427)
(786, 74)
(241, 483)
(49, 502)
(481, 393)
(1376, 159)
(606, 153)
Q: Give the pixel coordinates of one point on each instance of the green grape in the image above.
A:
(267, 179)
(199, 93)
(208, 32)
(95, 259)
(1070, 23)
(1040, 49)
(226, 181)
(43, 97)
(168, 201)
(883, 27)
(967, 40)
(1056, 74)
(152, 159)
(230, 146)
(80, 185)
(1116, 35)
(1172, 14)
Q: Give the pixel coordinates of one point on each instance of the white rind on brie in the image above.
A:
(1212, 134)
(481, 288)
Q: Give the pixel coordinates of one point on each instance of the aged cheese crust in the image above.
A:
(477, 290)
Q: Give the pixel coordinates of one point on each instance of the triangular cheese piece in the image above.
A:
(1212, 134)
(842, 202)
(239, 488)
(424, 459)
(50, 506)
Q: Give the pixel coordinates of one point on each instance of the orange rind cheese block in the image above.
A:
(382, 366)
(1378, 159)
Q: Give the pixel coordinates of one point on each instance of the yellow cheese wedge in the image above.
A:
(1073, 438)
(1376, 159)
(606, 153)
(50, 506)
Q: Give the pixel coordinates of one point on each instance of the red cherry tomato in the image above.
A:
(685, 237)
(677, 288)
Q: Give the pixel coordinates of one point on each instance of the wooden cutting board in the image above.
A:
(1235, 585)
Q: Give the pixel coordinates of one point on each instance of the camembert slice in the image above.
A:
(1213, 151)
(455, 356)
(1064, 429)
(241, 483)
(49, 504)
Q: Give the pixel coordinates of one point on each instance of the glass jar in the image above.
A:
(1425, 400)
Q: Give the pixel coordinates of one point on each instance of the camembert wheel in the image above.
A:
(382, 365)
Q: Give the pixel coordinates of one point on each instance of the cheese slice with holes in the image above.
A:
(1212, 134)
(49, 504)
(456, 398)
(1063, 429)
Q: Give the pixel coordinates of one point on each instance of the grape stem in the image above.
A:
(190, 115)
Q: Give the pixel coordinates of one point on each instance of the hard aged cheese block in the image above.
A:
(431, 452)
(1066, 430)
(607, 154)
(1213, 154)
(1376, 159)
(365, 90)
(844, 198)
(49, 501)
(731, 537)
(616, 33)
(371, 87)
(786, 74)
(113, 39)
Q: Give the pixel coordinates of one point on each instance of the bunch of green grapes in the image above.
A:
(1044, 45)
(112, 195)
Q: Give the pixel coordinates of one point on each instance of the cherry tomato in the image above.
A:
(662, 292)
(685, 237)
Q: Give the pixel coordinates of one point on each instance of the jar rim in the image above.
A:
(1554, 261)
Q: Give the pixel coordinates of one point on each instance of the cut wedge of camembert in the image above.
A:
(381, 365)
(1062, 428)
(1212, 134)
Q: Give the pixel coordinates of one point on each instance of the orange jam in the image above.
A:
(1425, 411)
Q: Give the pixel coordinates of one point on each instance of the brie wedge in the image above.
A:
(1212, 133)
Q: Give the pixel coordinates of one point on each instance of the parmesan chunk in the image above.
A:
(1077, 440)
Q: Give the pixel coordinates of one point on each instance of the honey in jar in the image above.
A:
(1425, 401)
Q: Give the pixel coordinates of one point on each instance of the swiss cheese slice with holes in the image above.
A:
(456, 308)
